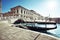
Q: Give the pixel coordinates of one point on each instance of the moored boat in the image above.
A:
(36, 26)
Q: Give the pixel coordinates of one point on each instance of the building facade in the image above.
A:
(57, 20)
(22, 13)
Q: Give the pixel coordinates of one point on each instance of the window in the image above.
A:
(21, 11)
(24, 12)
(17, 11)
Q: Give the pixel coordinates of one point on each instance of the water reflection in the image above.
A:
(56, 32)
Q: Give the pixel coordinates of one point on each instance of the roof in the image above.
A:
(19, 7)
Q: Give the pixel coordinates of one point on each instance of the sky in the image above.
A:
(43, 7)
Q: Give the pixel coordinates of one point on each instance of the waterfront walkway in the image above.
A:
(7, 32)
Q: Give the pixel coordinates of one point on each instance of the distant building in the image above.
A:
(57, 20)
(22, 13)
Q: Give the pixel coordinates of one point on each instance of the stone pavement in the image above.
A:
(13, 33)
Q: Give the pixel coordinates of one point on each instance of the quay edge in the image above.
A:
(13, 33)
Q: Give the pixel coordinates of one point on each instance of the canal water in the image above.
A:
(55, 32)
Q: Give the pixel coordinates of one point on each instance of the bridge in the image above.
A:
(9, 20)
(12, 20)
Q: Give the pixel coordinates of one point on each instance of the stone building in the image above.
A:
(22, 13)
(57, 20)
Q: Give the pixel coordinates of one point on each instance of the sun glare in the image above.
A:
(51, 4)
